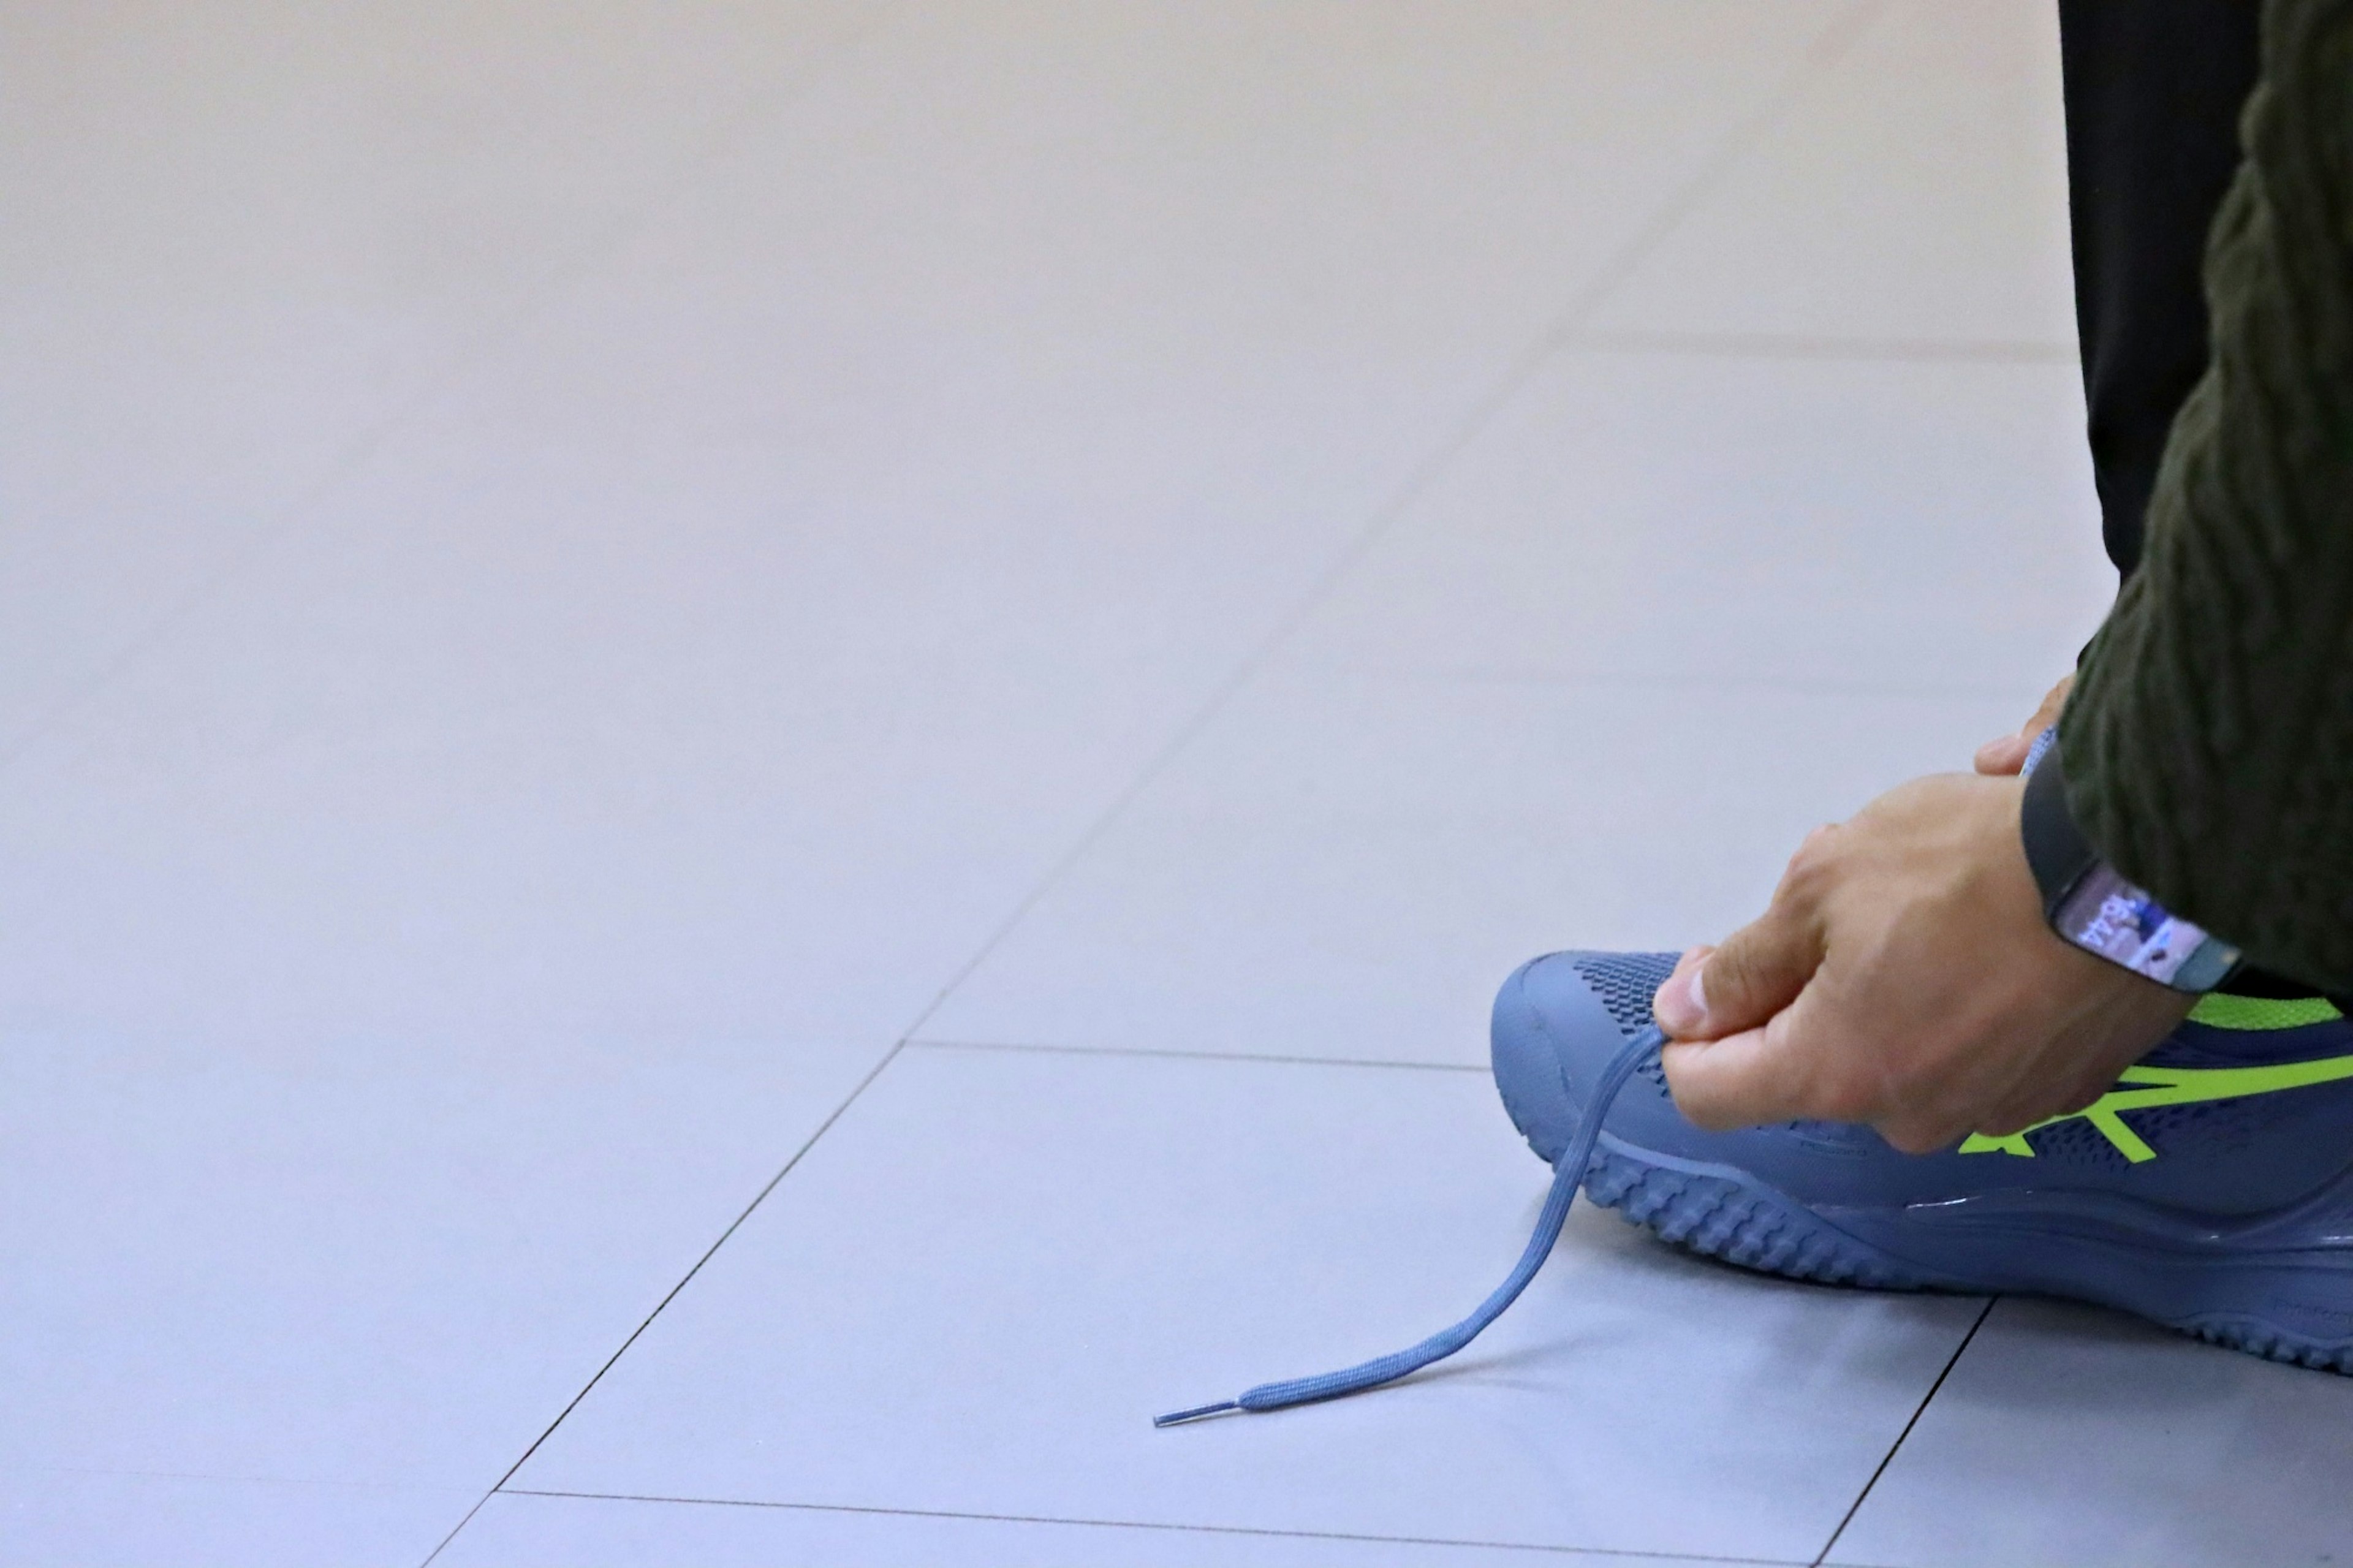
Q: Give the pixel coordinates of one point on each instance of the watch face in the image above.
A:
(2107, 915)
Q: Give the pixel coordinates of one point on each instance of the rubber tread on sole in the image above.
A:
(1747, 1226)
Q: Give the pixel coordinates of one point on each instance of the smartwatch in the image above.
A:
(2094, 905)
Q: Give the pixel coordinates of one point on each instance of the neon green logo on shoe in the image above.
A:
(2151, 1087)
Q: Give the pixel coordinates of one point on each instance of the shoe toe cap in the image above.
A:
(1558, 1022)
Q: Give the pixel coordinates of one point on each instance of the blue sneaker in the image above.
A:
(2210, 1191)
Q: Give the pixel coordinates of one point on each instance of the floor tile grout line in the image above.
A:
(1829, 45)
(1897, 1446)
(902, 1045)
(685, 1280)
(1050, 1048)
(289, 521)
(1606, 1551)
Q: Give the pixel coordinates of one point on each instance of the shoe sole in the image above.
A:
(2238, 1303)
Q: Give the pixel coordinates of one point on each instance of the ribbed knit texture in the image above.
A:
(2210, 739)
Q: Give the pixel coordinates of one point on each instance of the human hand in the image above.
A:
(2007, 754)
(1903, 977)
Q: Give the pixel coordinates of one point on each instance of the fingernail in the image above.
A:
(1681, 1006)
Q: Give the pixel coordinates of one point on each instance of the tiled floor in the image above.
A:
(761, 762)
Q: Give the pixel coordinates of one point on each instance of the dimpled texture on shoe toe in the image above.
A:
(1561, 1016)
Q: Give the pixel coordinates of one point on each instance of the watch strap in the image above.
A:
(2093, 906)
(2056, 850)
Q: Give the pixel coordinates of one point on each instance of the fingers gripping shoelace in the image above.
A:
(1568, 1175)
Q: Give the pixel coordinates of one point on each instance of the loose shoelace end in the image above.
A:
(1178, 1417)
(1568, 1175)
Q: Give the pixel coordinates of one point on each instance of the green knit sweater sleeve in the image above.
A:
(2210, 739)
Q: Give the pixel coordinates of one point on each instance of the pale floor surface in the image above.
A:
(761, 762)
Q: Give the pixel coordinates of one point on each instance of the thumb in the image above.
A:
(1746, 1079)
(1758, 971)
(2005, 756)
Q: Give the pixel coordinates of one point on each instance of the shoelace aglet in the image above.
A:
(1178, 1417)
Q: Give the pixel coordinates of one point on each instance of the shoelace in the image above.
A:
(1568, 1175)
